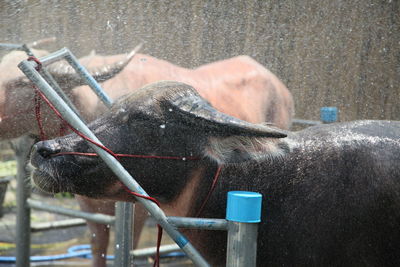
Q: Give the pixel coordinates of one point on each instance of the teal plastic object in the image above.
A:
(244, 206)
(328, 114)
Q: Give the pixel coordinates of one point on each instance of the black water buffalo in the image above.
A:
(331, 193)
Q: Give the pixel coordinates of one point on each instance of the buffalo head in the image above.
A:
(162, 119)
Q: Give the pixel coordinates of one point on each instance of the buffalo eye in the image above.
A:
(125, 118)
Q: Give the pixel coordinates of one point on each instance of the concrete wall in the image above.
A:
(328, 52)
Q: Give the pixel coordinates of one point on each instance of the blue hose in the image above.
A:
(81, 254)
(86, 247)
(78, 251)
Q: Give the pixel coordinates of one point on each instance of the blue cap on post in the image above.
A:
(244, 207)
(328, 114)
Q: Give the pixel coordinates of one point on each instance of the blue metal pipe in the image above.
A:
(73, 61)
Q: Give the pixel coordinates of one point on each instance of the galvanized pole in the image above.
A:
(73, 61)
(123, 234)
(23, 223)
(29, 69)
(243, 215)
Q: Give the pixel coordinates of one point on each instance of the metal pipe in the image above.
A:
(306, 122)
(243, 211)
(198, 223)
(123, 234)
(19, 47)
(47, 76)
(23, 223)
(45, 226)
(95, 217)
(11, 46)
(242, 244)
(23, 220)
(22, 47)
(145, 252)
(73, 61)
(29, 69)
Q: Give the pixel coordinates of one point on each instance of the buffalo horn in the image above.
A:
(196, 111)
(68, 79)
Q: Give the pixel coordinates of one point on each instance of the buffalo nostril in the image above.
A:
(47, 148)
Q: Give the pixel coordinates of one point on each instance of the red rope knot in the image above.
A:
(39, 64)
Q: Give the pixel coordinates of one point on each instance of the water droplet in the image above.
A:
(109, 25)
(117, 246)
(94, 235)
(103, 255)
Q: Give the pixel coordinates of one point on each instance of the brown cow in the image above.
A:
(238, 86)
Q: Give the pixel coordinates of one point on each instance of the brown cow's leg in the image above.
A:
(99, 232)
(99, 242)
(139, 220)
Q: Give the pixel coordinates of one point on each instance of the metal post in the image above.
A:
(243, 215)
(29, 69)
(123, 234)
(23, 223)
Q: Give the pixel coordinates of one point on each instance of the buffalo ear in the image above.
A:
(191, 109)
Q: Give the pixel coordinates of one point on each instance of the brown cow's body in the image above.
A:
(238, 86)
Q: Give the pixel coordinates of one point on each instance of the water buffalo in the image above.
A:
(331, 193)
(238, 86)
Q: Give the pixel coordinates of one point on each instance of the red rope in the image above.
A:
(72, 128)
(127, 156)
(160, 232)
(39, 64)
(38, 116)
(213, 185)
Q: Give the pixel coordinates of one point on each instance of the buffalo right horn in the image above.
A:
(68, 79)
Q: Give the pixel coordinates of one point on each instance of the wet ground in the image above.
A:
(54, 242)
